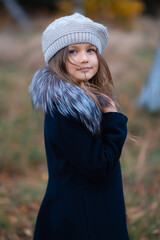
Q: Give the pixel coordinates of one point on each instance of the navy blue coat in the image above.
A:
(84, 196)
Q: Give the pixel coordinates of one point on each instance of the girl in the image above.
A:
(84, 135)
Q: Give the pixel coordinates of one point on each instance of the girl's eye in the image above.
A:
(72, 51)
(91, 50)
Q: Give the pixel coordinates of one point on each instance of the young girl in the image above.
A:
(84, 135)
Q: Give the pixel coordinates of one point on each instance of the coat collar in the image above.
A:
(48, 92)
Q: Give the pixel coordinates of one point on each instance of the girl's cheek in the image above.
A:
(72, 58)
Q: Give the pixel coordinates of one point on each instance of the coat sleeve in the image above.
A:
(91, 156)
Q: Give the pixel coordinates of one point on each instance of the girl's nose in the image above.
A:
(84, 57)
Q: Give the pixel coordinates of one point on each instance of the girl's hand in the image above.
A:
(111, 106)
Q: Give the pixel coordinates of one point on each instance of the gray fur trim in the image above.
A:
(45, 89)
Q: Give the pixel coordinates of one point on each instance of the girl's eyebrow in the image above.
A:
(91, 45)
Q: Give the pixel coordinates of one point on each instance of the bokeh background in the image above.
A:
(133, 56)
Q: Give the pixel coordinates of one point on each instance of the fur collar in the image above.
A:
(45, 89)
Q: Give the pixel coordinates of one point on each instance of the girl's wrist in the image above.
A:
(110, 108)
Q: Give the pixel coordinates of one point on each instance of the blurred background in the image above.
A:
(133, 55)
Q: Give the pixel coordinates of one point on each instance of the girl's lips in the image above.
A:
(85, 69)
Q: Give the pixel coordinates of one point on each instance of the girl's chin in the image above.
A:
(85, 77)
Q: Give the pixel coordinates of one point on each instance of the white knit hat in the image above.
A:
(72, 29)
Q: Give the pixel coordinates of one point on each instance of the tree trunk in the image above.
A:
(79, 6)
(17, 13)
(150, 94)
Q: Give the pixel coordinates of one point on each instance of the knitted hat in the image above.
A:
(72, 29)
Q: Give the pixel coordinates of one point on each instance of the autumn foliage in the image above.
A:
(114, 9)
(124, 10)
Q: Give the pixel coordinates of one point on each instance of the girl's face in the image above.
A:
(82, 63)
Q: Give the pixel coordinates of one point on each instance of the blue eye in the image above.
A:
(72, 51)
(91, 50)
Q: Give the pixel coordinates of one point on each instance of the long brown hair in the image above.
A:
(99, 86)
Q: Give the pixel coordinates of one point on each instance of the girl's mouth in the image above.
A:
(85, 69)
